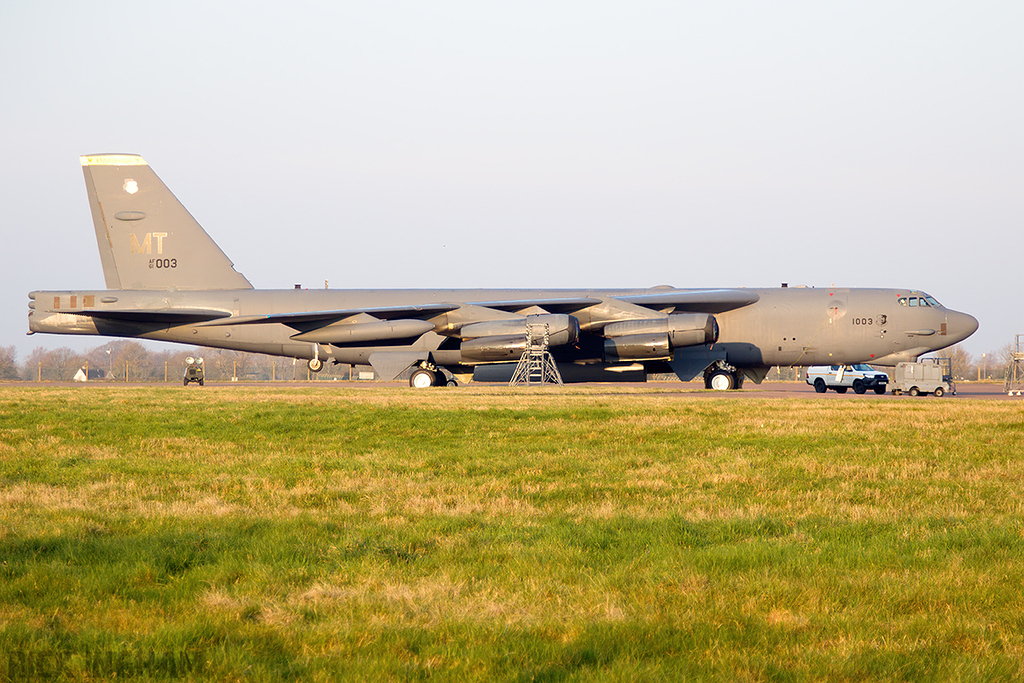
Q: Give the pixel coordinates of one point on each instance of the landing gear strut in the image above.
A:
(315, 364)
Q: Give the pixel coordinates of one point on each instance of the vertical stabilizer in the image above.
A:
(147, 239)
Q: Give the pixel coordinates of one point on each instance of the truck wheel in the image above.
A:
(840, 390)
(819, 386)
(858, 386)
(939, 391)
(880, 390)
(914, 391)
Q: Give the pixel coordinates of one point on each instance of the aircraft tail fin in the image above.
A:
(147, 239)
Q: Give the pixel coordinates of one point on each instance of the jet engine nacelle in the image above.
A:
(562, 329)
(493, 349)
(653, 338)
(637, 347)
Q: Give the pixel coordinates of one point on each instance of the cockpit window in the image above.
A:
(924, 300)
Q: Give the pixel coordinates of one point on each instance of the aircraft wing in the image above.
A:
(696, 301)
(562, 305)
(304, 318)
(709, 301)
(308, 319)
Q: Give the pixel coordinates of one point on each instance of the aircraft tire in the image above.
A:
(186, 382)
(422, 379)
(315, 364)
(939, 391)
(202, 383)
(858, 387)
(720, 380)
(819, 386)
(452, 383)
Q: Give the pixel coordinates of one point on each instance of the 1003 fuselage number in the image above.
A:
(163, 263)
(880, 320)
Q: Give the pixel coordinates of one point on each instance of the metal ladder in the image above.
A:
(1015, 370)
(536, 366)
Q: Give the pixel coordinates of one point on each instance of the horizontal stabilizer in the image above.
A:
(178, 316)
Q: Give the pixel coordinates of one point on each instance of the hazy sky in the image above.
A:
(416, 144)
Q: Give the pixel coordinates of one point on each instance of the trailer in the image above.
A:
(927, 376)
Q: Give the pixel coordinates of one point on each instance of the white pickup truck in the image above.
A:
(842, 377)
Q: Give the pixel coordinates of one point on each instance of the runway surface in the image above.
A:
(965, 390)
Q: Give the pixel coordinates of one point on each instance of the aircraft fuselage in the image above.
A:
(785, 326)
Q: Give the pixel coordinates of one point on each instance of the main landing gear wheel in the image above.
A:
(422, 378)
(721, 380)
(315, 364)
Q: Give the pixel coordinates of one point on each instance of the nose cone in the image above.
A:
(960, 326)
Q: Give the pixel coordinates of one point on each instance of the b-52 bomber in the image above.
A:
(168, 280)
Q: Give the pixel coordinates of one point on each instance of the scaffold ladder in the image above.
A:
(1015, 370)
(536, 366)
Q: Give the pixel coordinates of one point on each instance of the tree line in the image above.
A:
(128, 360)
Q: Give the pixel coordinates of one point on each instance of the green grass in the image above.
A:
(495, 534)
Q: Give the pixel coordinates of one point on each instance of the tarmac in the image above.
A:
(964, 390)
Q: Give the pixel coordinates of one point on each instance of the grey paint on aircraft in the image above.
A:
(168, 280)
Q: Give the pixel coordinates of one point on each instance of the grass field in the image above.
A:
(511, 535)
